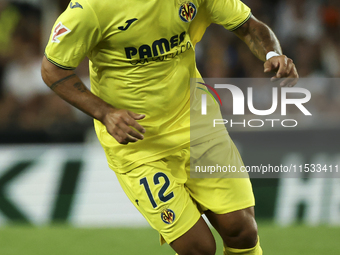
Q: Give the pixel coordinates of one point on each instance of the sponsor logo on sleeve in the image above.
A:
(60, 30)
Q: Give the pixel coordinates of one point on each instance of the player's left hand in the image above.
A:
(284, 68)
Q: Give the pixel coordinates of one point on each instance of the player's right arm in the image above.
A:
(74, 35)
(121, 124)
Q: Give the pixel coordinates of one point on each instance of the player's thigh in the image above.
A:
(225, 192)
(161, 198)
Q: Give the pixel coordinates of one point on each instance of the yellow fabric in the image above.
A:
(223, 192)
(142, 59)
(257, 250)
(190, 197)
(229, 13)
(184, 208)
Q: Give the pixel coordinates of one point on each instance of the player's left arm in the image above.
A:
(261, 40)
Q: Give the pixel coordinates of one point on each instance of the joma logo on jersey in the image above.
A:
(157, 48)
(187, 12)
(59, 30)
(76, 5)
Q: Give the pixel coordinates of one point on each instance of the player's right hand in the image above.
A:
(284, 68)
(123, 125)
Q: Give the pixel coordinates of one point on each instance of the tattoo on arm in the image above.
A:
(259, 38)
(263, 40)
(257, 43)
(80, 86)
(54, 85)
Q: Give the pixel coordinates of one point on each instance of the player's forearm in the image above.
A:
(69, 87)
(259, 38)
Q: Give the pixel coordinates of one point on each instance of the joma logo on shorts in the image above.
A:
(158, 47)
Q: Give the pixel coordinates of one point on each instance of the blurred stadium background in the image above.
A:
(57, 194)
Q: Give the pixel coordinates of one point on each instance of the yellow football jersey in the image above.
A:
(142, 59)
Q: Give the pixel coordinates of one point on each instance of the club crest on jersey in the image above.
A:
(59, 30)
(187, 11)
(168, 216)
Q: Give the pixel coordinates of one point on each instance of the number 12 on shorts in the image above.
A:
(161, 192)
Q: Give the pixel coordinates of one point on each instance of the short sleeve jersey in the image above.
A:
(142, 59)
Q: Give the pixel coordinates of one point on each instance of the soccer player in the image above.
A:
(142, 57)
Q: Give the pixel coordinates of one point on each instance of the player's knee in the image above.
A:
(248, 237)
(202, 247)
(209, 248)
(243, 235)
(206, 248)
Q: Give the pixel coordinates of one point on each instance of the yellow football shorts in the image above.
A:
(172, 202)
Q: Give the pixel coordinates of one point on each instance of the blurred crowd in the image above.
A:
(27, 105)
(309, 32)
